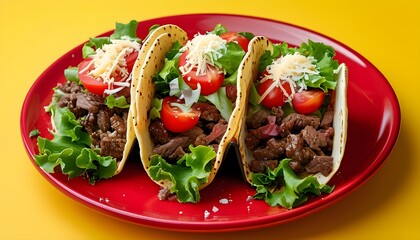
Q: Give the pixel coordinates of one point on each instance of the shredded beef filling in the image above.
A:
(208, 132)
(106, 126)
(306, 140)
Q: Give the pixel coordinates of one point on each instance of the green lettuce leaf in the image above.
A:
(72, 74)
(254, 97)
(129, 30)
(248, 35)
(34, 133)
(119, 102)
(231, 59)
(174, 52)
(324, 62)
(94, 43)
(155, 108)
(70, 148)
(222, 102)
(187, 174)
(168, 73)
(282, 187)
(219, 29)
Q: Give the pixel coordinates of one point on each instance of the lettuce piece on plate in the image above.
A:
(187, 174)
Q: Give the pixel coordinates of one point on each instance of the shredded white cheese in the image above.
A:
(203, 50)
(290, 68)
(206, 214)
(109, 61)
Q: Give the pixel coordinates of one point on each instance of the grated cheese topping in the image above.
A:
(203, 50)
(290, 68)
(109, 62)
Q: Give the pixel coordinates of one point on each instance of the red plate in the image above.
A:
(373, 127)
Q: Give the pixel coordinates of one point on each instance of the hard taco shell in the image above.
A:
(131, 136)
(154, 61)
(257, 48)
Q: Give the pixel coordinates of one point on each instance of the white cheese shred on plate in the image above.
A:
(109, 61)
(290, 68)
(224, 201)
(203, 50)
(206, 214)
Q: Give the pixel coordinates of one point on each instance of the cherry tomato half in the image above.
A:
(174, 119)
(210, 82)
(308, 101)
(276, 97)
(234, 37)
(96, 86)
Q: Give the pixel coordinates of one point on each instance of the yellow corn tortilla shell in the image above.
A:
(140, 61)
(257, 47)
(153, 63)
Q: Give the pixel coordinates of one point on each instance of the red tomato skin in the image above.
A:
(210, 83)
(308, 101)
(96, 86)
(276, 97)
(174, 119)
(234, 37)
(91, 84)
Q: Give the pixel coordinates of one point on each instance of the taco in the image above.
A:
(92, 112)
(294, 120)
(186, 107)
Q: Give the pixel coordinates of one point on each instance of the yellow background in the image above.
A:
(34, 34)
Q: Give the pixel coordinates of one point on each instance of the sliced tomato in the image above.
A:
(210, 82)
(174, 119)
(235, 37)
(276, 97)
(97, 86)
(308, 101)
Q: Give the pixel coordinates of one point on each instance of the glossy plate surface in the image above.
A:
(373, 127)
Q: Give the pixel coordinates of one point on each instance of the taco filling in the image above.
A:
(194, 96)
(289, 131)
(90, 111)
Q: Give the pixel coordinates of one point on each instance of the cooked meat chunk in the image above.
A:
(208, 111)
(317, 139)
(261, 166)
(193, 134)
(296, 166)
(295, 122)
(112, 145)
(258, 119)
(158, 132)
(273, 150)
(118, 124)
(327, 119)
(107, 127)
(322, 164)
(87, 102)
(264, 132)
(278, 112)
(304, 139)
(166, 150)
(103, 119)
(165, 194)
(231, 92)
(89, 123)
(216, 134)
(178, 153)
(296, 149)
